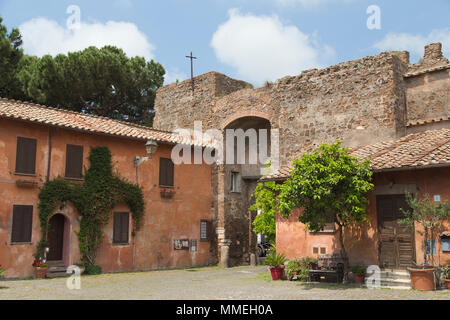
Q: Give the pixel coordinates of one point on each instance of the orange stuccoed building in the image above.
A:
(38, 144)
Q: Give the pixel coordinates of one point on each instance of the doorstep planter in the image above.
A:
(40, 273)
(447, 282)
(423, 278)
(277, 272)
(359, 279)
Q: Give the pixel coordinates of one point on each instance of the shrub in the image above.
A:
(275, 259)
(92, 270)
(359, 270)
(293, 265)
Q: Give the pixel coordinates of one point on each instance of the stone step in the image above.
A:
(56, 269)
(52, 275)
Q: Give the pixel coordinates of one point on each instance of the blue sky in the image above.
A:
(252, 40)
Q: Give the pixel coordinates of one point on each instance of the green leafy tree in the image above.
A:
(103, 82)
(328, 183)
(429, 215)
(10, 57)
(265, 203)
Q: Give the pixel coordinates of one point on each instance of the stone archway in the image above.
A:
(237, 240)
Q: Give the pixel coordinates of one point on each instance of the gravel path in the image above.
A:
(242, 283)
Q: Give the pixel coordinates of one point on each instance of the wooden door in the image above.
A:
(396, 243)
(56, 238)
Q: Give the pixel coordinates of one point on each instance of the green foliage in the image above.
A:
(92, 270)
(103, 82)
(308, 262)
(446, 272)
(303, 275)
(327, 183)
(10, 57)
(275, 259)
(359, 270)
(430, 215)
(2, 271)
(94, 200)
(265, 201)
(292, 265)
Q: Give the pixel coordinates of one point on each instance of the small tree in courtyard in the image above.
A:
(328, 184)
(265, 203)
(430, 216)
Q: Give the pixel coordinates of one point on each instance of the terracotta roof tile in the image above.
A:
(31, 112)
(416, 150)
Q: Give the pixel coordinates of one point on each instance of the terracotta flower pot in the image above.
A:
(40, 273)
(277, 272)
(447, 282)
(423, 279)
(359, 278)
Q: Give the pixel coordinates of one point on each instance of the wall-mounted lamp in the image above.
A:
(150, 147)
(63, 205)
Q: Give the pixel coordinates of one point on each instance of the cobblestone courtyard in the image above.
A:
(243, 283)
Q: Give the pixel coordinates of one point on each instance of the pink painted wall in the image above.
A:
(165, 220)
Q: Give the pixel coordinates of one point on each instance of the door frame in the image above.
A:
(63, 237)
(379, 225)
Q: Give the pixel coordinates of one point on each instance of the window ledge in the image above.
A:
(20, 243)
(74, 179)
(120, 244)
(167, 187)
(25, 174)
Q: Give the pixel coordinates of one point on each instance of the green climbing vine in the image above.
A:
(94, 200)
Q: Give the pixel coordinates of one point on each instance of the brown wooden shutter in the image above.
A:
(26, 156)
(166, 172)
(121, 227)
(74, 161)
(22, 224)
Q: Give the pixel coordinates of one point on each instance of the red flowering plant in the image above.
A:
(2, 271)
(39, 264)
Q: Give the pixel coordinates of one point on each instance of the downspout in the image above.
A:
(51, 133)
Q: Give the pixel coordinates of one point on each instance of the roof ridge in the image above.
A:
(37, 105)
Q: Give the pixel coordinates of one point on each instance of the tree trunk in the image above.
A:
(343, 252)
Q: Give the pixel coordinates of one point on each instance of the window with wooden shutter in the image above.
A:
(74, 162)
(166, 172)
(121, 227)
(22, 224)
(26, 156)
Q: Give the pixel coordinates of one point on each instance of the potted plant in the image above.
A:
(275, 261)
(40, 269)
(167, 193)
(309, 263)
(292, 269)
(359, 274)
(446, 274)
(429, 216)
(2, 272)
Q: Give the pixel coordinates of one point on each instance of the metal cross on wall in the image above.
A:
(192, 69)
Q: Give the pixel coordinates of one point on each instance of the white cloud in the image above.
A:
(261, 48)
(173, 74)
(43, 36)
(415, 43)
(310, 3)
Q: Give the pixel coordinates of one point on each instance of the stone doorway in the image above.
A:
(56, 237)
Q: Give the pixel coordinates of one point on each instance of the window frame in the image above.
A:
(26, 231)
(74, 148)
(235, 182)
(22, 158)
(117, 234)
(166, 180)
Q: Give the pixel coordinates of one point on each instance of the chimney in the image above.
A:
(433, 53)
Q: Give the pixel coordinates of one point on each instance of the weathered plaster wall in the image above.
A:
(165, 220)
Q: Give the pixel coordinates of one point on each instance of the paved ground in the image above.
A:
(243, 283)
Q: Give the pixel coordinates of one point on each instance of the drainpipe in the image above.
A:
(51, 133)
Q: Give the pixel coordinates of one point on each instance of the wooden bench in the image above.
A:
(330, 269)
